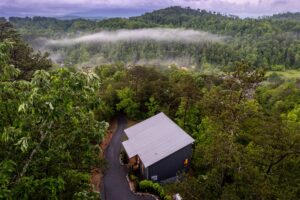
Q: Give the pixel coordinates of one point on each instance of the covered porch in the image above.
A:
(134, 165)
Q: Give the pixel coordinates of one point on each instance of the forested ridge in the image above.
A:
(267, 41)
(245, 123)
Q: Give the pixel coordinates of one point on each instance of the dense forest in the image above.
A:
(246, 124)
(271, 42)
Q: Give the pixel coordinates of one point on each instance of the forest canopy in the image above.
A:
(245, 121)
(268, 41)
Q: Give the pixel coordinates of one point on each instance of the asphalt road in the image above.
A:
(115, 185)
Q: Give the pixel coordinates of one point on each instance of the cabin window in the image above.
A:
(186, 162)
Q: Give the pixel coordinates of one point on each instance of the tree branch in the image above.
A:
(34, 151)
(281, 158)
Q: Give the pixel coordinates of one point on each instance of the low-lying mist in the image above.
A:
(155, 34)
(153, 46)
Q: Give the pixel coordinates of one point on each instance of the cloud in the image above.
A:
(54, 7)
(155, 34)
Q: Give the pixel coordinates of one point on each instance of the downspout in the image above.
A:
(147, 173)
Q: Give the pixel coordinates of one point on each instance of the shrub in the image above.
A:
(133, 177)
(153, 188)
(168, 197)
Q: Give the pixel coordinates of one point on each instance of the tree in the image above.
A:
(152, 107)
(49, 143)
(242, 152)
(127, 103)
(20, 54)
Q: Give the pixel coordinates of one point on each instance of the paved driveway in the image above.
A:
(115, 185)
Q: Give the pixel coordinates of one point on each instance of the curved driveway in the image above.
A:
(115, 185)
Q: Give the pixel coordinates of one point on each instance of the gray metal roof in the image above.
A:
(154, 139)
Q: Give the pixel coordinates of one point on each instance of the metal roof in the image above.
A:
(154, 139)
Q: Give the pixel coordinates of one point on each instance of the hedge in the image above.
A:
(153, 188)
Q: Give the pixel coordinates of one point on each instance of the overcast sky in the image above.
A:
(135, 7)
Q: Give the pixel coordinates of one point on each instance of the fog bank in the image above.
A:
(154, 34)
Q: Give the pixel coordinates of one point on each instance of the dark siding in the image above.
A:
(142, 170)
(171, 165)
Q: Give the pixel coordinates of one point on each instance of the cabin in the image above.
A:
(158, 148)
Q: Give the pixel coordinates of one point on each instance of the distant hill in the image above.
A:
(268, 41)
(177, 15)
(287, 16)
(171, 17)
(74, 17)
(31, 27)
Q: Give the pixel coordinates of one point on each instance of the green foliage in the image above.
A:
(19, 54)
(133, 178)
(278, 68)
(45, 26)
(266, 42)
(246, 129)
(152, 107)
(7, 70)
(86, 195)
(49, 134)
(242, 150)
(294, 115)
(127, 103)
(153, 188)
